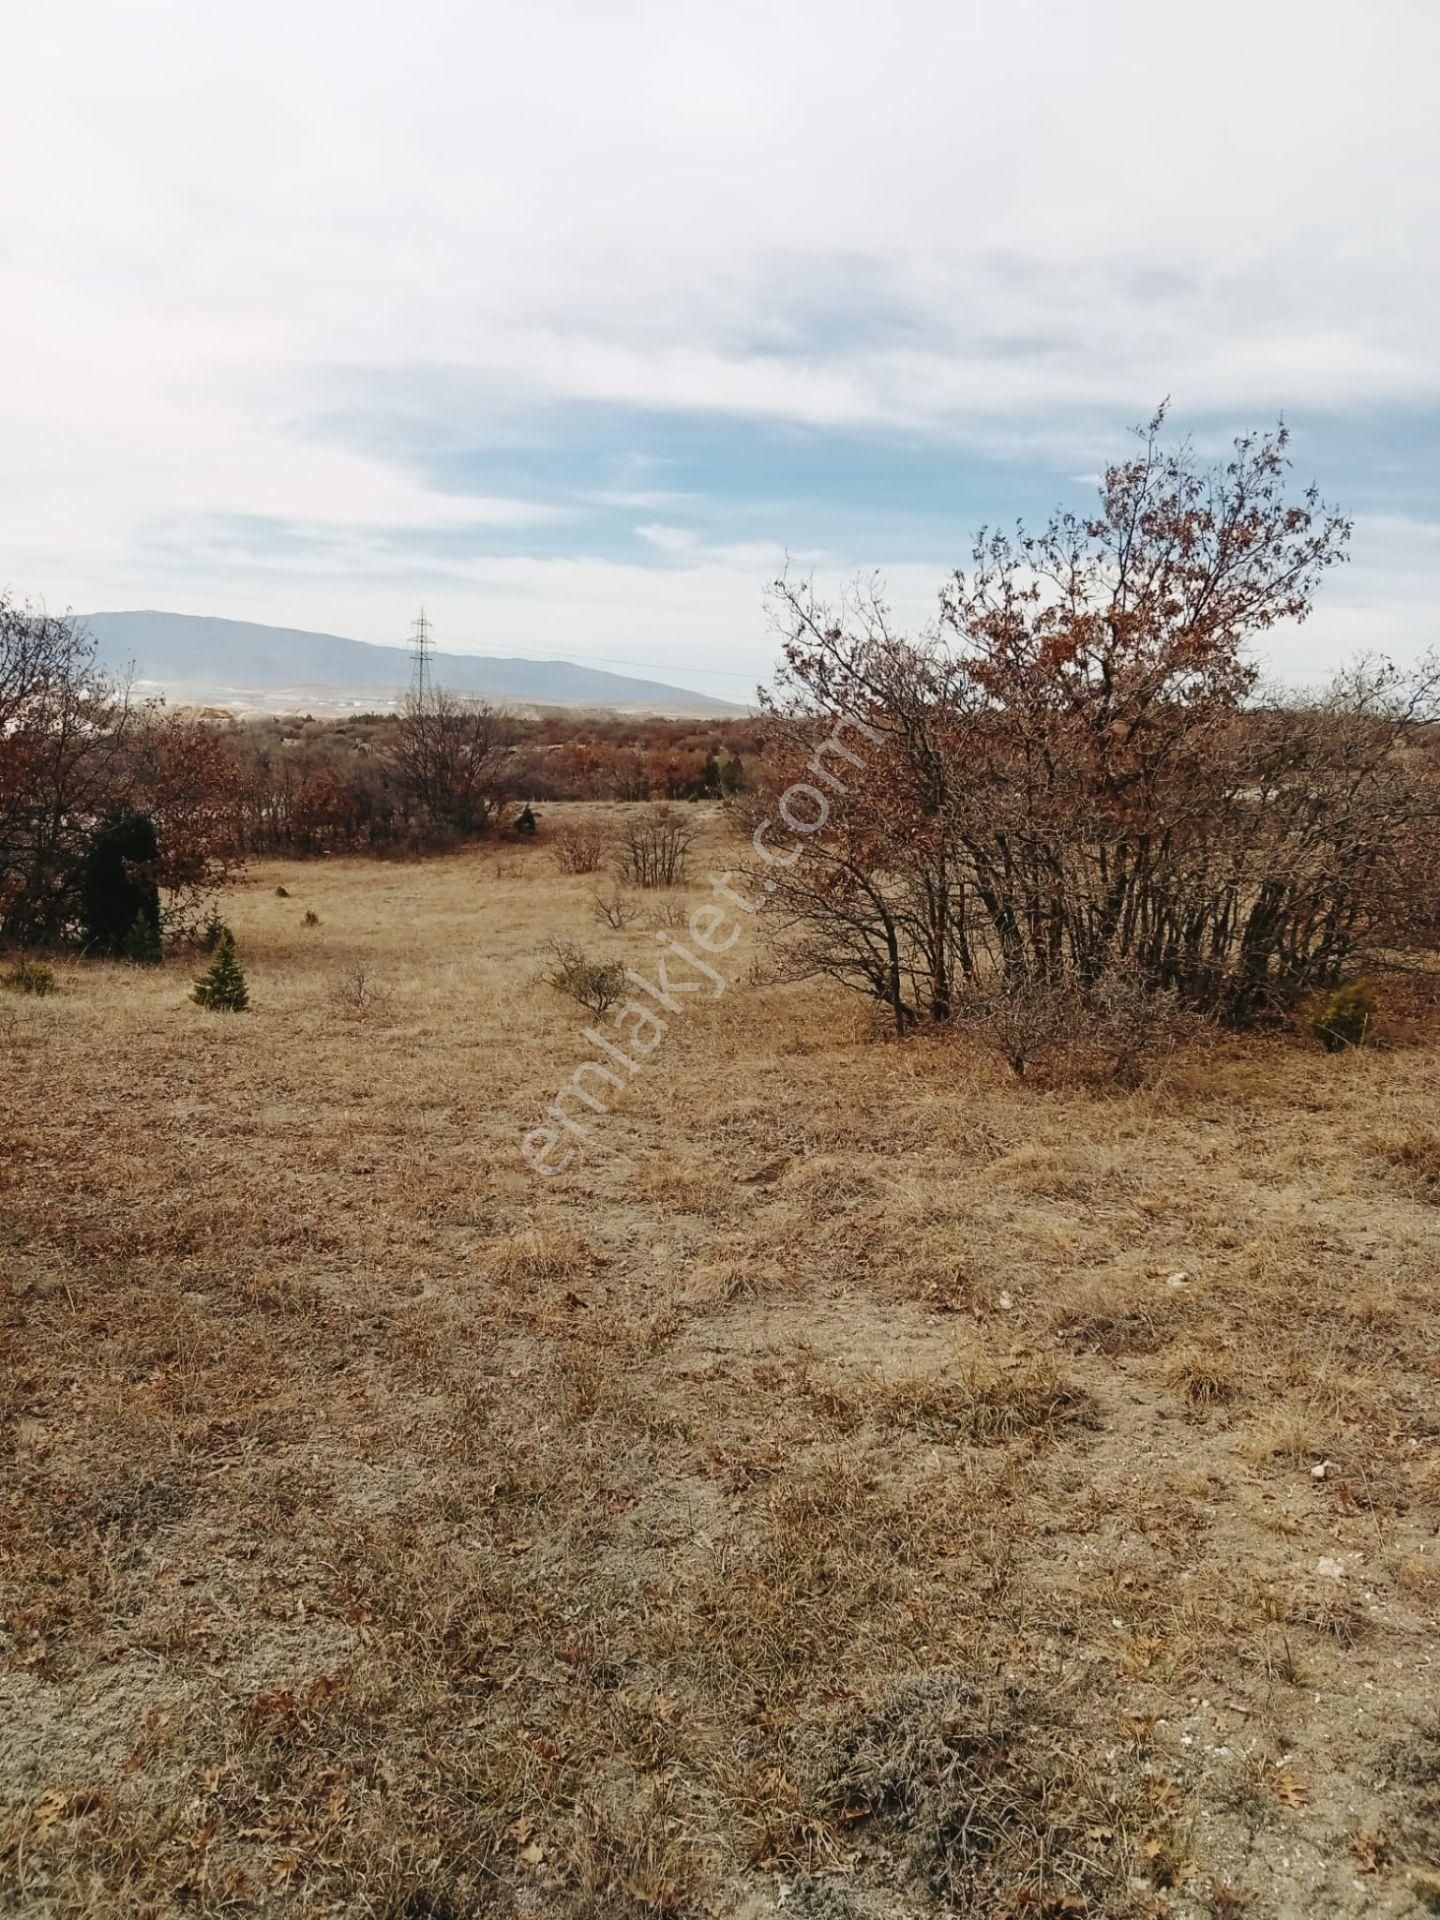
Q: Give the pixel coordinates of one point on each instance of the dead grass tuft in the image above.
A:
(988, 1401)
(1415, 1154)
(985, 1794)
(536, 1255)
(1203, 1377)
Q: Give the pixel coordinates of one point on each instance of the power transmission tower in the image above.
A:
(421, 650)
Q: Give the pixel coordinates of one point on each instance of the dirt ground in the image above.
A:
(863, 1486)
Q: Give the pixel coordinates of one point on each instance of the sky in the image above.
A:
(579, 321)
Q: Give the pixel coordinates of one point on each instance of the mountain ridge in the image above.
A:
(242, 662)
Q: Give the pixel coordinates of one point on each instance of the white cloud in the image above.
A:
(992, 225)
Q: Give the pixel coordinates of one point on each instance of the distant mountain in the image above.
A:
(237, 664)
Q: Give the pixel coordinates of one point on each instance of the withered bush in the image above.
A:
(615, 909)
(1024, 1018)
(1077, 774)
(655, 847)
(581, 846)
(355, 993)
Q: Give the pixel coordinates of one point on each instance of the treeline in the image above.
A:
(427, 777)
(169, 805)
(1075, 796)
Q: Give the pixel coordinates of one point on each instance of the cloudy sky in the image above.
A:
(574, 318)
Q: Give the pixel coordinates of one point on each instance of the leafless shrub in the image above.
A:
(655, 847)
(670, 913)
(1026, 1018)
(615, 909)
(581, 846)
(1133, 1029)
(1138, 1029)
(596, 984)
(355, 994)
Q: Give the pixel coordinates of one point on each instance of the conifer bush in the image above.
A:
(222, 985)
(142, 944)
(1344, 1018)
(117, 885)
(30, 976)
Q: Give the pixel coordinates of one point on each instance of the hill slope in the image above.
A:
(239, 662)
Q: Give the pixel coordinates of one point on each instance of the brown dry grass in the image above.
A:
(863, 1488)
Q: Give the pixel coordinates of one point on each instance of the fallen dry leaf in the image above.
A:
(1291, 1791)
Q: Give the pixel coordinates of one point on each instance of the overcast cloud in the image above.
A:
(571, 319)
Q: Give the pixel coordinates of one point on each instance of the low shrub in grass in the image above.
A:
(1344, 1018)
(30, 976)
(142, 945)
(596, 984)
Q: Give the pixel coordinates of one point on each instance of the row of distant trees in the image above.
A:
(1077, 787)
(449, 768)
(93, 781)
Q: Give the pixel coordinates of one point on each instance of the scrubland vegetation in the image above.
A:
(963, 1438)
(869, 1481)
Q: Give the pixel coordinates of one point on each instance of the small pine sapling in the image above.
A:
(142, 943)
(222, 985)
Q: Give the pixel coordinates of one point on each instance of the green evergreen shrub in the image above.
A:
(142, 945)
(117, 886)
(1344, 1017)
(222, 985)
(30, 976)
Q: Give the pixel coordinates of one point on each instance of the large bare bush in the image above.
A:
(581, 846)
(1077, 774)
(654, 848)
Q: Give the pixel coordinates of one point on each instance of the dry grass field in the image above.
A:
(866, 1488)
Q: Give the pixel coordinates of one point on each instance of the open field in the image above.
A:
(865, 1488)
